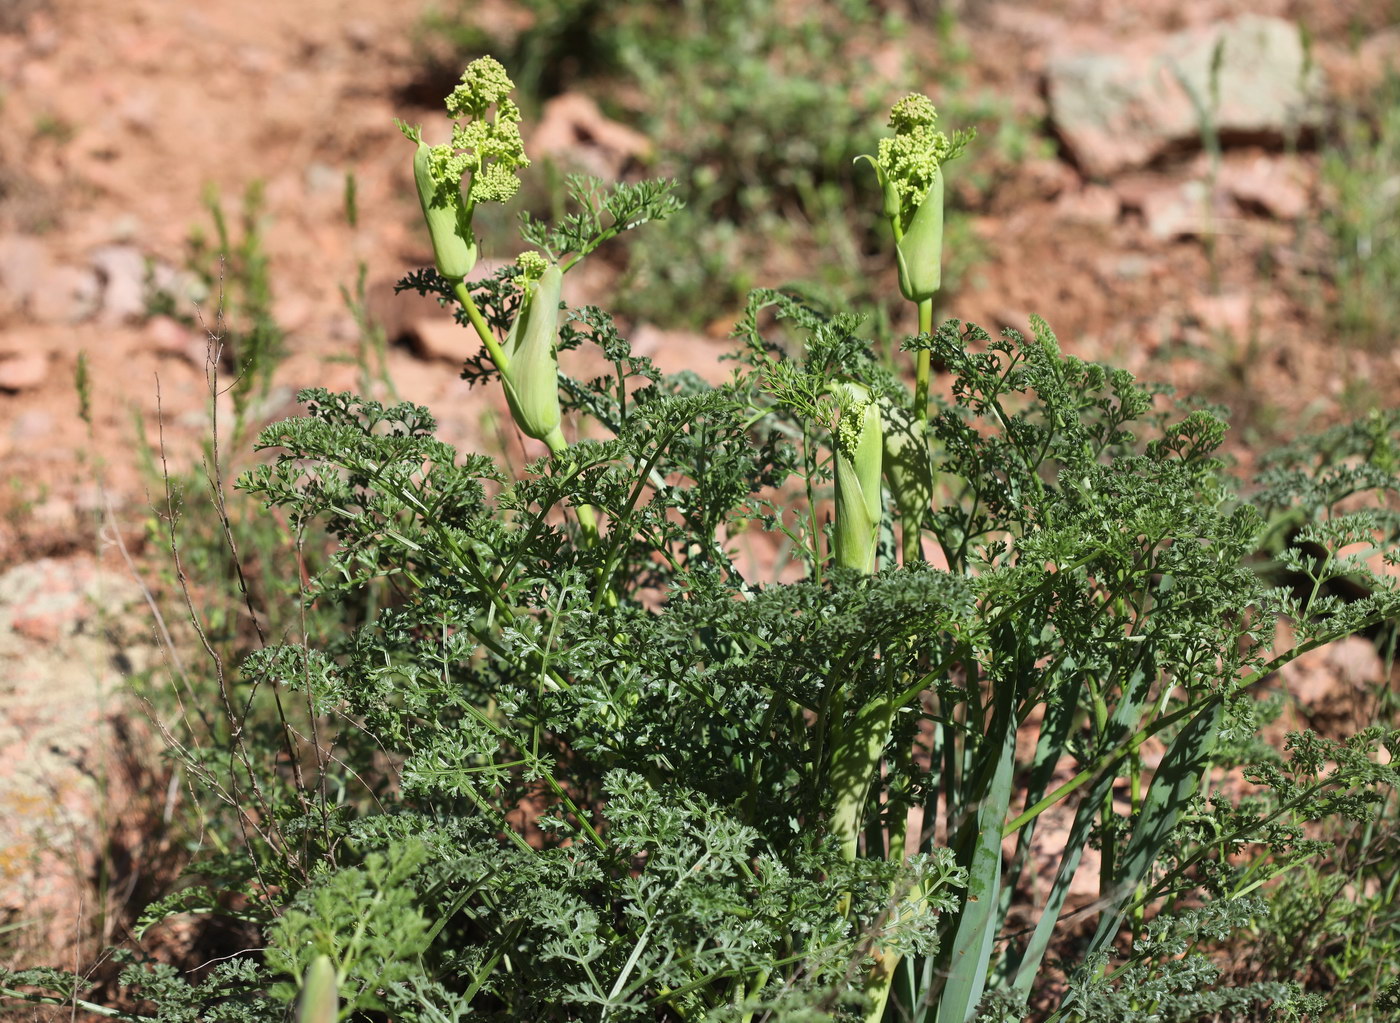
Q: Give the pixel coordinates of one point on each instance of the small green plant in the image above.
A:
(1360, 217)
(235, 274)
(372, 350)
(593, 766)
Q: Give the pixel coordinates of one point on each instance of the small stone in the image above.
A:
(28, 427)
(23, 264)
(1177, 211)
(443, 340)
(1229, 314)
(1265, 185)
(359, 34)
(182, 288)
(1092, 204)
(168, 336)
(1048, 178)
(23, 372)
(1131, 267)
(323, 179)
(123, 272)
(1236, 314)
(292, 312)
(66, 294)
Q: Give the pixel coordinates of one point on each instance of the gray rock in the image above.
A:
(66, 294)
(123, 272)
(63, 627)
(1123, 109)
(23, 263)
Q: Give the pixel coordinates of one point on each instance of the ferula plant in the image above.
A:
(592, 760)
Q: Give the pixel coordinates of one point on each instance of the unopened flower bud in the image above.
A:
(920, 252)
(531, 373)
(858, 457)
(454, 246)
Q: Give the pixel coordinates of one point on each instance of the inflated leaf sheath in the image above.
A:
(531, 374)
(454, 246)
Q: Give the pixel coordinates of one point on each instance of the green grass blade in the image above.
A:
(1126, 716)
(1049, 747)
(1027, 964)
(1173, 785)
(978, 925)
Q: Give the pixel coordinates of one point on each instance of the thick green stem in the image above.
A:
(483, 329)
(887, 961)
(855, 756)
(913, 548)
(924, 367)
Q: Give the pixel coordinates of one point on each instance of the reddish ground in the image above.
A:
(118, 114)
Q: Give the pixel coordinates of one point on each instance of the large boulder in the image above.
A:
(1124, 108)
(70, 630)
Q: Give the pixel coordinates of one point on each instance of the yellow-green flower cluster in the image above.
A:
(480, 163)
(484, 84)
(909, 167)
(532, 265)
(909, 160)
(485, 146)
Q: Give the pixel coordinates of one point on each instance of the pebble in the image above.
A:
(23, 372)
(66, 294)
(1266, 184)
(441, 340)
(1177, 211)
(23, 261)
(123, 272)
(1092, 204)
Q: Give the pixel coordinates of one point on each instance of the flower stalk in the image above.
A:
(909, 168)
(481, 164)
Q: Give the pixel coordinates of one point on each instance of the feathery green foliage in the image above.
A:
(591, 761)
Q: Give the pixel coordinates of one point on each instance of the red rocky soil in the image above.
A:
(118, 114)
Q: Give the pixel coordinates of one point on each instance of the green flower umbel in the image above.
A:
(479, 165)
(858, 456)
(531, 370)
(909, 168)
